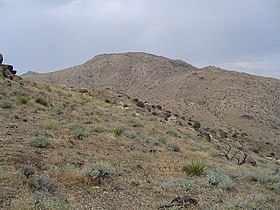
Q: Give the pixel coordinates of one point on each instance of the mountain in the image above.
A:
(239, 104)
(76, 148)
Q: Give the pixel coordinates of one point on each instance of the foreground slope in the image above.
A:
(65, 148)
(238, 103)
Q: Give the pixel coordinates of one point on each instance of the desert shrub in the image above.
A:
(182, 184)
(135, 100)
(135, 124)
(78, 131)
(153, 106)
(143, 138)
(159, 107)
(107, 101)
(40, 142)
(155, 113)
(276, 186)
(219, 179)
(6, 104)
(197, 168)
(140, 104)
(23, 99)
(99, 130)
(41, 184)
(42, 200)
(196, 125)
(162, 139)
(49, 124)
(28, 171)
(257, 176)
(173, 132)
(58, 110)
(99, 173)
(173, 147)
(41, 100)
(118, 131)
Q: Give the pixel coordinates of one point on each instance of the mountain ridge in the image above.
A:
(211, 95)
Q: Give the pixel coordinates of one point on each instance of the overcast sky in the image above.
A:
(47, 35)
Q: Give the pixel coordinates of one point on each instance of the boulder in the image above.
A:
(1, 58)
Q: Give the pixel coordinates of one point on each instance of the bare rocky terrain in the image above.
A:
(239, 104)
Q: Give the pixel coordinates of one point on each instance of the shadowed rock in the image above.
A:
(8, 70)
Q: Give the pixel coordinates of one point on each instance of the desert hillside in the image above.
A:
(237, 103)
(76, 148)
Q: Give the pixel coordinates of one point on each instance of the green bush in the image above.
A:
(78, 131)
(196, 125)
(173, 147)
(23, 99)
(197, 168)
(40, 142)
(140, 104)
(6, 104)
(28, 170)
(182, 184)
(41, 100)
(99, 173)
(219, 179)
(41, 184)
(118, 131)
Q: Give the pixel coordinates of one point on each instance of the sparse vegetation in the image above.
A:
(23, 99)
(219, 179)
(174, 183)
(100, 173)
(44, 167)
(197, 125)
(41, 142)
(197, 168)
(118, 131)
(173, 132)
(6, 104)
(41, 184)
(41, 100)
(28, 171)
(276, 186)
(173, 147)
(78, 131)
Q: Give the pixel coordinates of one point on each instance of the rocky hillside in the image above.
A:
(237, 103)
(75, 148)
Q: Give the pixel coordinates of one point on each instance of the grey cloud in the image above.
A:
(48, 35)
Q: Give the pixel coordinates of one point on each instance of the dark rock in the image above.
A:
(247, 117)
(1, 58)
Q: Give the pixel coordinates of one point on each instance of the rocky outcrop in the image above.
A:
(7, 70)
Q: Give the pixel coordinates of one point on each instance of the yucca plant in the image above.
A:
(118, 131)
(197, 168)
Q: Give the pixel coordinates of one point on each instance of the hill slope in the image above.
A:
(238, 103)
(65, 148)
